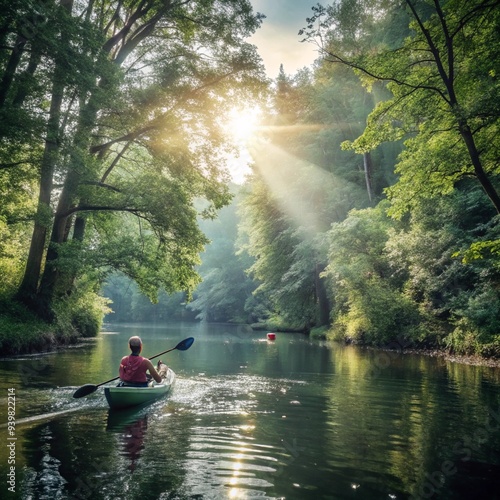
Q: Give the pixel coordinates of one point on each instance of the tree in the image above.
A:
(225, 288)
(137, 91)
(370, 305)
(302, 183)
(272, 241)
(459, 297)
(444, 85)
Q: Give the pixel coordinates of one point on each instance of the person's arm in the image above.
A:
(121, 370)
(152, 371)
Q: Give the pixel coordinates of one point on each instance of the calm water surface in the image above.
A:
(290, 419)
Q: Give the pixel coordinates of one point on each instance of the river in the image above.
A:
(250, 418)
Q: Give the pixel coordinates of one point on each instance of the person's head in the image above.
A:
(135, 344)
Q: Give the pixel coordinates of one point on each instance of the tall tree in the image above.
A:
(444, 85)
(60, 80)
(303, 183)
(369, 303)
(226, 289)
(137, 90)
(272, 240)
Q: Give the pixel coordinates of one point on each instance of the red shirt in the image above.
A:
(133, 369)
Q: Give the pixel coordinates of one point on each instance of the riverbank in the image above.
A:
(21, 332)
(492, 360)
(75, 317)
(463, 359)
(473, 360)
(31, 337)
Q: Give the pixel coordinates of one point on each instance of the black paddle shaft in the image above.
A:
(87, 389)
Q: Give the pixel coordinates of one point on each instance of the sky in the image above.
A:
(277, 39)
(278, 43)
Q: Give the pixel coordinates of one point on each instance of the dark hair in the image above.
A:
(136, 349)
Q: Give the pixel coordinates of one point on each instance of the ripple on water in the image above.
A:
(223, 463)
(226, 457)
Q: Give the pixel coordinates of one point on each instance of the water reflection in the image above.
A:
(225, 458)
(131, 425)
(44, 479)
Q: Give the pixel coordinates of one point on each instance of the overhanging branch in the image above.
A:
(104, 208)
(371, 74)
(101, 184)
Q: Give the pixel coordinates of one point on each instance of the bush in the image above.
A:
(477, 325)
(378, 315)
(463, 339)
(82, 314)
(319, 333)
(21, 331)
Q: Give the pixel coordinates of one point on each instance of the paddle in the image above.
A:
(87, 389)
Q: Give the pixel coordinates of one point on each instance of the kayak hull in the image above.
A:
(127, 397)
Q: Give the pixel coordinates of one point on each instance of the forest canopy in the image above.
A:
(110, 131)
(371, 211)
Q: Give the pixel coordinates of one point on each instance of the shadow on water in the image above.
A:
(119, 419)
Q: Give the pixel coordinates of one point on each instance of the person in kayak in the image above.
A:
(134, 368)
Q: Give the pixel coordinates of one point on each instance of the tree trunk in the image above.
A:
(25, 77)
(47, 289)
(367, 167)
(10, 70)
(53, 282)
(27, 292)
(29, 285)
(322, 298)
(52, 277)
(481, 175)
(28, 30)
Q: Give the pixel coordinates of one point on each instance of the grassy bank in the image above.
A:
(22, 332)
(458, 345)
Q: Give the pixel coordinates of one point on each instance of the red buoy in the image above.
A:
(271, 336)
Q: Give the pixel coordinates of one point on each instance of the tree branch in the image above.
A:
(115, 161)
(435, 52)
(12, 165)
(397, 81)
(155, 123)
(103, 208)
(101, 184)
(485, 5)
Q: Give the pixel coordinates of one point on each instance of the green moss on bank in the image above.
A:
(23, 332)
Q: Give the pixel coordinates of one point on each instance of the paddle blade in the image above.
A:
(185, 344)
(85, 390)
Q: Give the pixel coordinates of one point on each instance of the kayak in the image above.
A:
(126, 396)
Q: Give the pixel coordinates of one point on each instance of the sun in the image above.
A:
(242, 122)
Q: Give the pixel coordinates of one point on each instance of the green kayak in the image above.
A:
(125, 397)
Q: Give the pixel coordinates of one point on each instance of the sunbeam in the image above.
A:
(301, 188)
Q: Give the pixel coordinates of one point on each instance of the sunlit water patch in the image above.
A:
(238, 394)
(228, 457)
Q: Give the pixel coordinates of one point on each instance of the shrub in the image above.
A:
(21, 331)
(81, 314)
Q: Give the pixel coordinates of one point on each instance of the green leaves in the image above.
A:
(370, 305)
(112, 110)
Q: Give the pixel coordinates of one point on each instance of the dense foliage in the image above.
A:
(371, 211)
(403, 104)
(110, 116)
